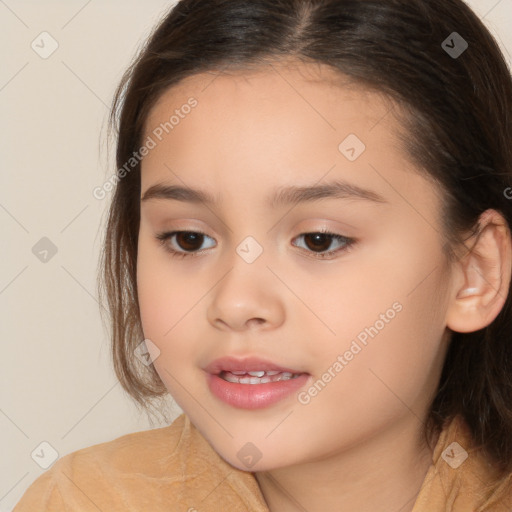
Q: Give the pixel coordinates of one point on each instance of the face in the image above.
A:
(318, 260)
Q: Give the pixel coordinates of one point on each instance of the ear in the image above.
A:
(482, 280)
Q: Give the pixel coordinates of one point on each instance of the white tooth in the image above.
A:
(285, 376)
(264, 380)
(238, 373)
(250, 380)
(257, 374)
(272, 372)
(230, 378)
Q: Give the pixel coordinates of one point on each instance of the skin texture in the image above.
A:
(357, 444)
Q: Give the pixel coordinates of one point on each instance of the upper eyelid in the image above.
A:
(325, 231)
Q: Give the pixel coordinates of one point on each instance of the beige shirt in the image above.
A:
(175, 469)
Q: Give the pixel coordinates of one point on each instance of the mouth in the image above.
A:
(252, 383)
(256, 377)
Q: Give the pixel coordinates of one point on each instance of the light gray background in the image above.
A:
(56, 381)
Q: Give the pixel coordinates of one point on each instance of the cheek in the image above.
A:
(392, 375)
(169, 303)
(404, 360)
(362, 293)
(163, 302)
(389, 324)
(164, 295)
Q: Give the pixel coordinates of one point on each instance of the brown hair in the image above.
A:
(460, 133)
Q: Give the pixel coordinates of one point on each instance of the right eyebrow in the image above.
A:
(178, 193)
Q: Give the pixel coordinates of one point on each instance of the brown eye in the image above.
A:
(318, 241)
(188, 240)
(184, 243)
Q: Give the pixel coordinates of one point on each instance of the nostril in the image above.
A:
(257, 321)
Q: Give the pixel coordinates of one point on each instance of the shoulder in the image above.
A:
(148, 470)
(479, 478)
(462, 476)
(145, 452)
(103, 476)
(99, 474)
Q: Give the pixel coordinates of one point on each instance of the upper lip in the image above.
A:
(247, 364)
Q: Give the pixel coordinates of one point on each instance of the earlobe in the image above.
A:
(467, 292)
(485, 273)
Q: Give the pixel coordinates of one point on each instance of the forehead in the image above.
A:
(275, 107)
(284, 82)
(276, 124)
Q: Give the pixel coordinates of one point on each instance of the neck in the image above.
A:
(381, 474)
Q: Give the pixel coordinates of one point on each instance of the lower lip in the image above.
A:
(254, 396)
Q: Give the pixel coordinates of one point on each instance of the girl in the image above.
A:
(309, 248)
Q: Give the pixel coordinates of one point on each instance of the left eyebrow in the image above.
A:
(334, 189)
(282, 196)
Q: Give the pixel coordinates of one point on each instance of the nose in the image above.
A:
(248, 296)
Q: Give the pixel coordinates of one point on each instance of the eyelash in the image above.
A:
(165, 236)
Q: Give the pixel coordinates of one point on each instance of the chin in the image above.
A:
(249, 458)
